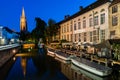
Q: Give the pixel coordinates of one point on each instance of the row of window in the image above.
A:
(96, 21)
(78, 25)
(91, 36)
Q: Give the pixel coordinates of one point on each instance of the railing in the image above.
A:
(9, 46)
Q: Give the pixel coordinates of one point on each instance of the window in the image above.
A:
(71, 37)
(79, 25)
(102, 35)
(62, 29)
(84, 24)
(90, 36)
(96, 20)
(75, 37)
(67, 37)
(112, 34)
(94, 36)
(79, 37)
(62, 37)
(75, 27)
(67, 28)
(114, 9)
(91, 22)
(103, 18)
(114, 20)
(70, 27)
(85, 35)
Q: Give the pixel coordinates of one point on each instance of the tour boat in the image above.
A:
(63, 57)
(92, 67)
(88, 74)
(51, 52)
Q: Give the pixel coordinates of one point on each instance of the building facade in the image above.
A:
(114, 15)
(7, 36)
(23, 22)
(90, 24)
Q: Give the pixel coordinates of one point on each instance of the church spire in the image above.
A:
(23, 22)
(23, 12)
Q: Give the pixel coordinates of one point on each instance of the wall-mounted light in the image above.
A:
(14, 51)
(14, 58)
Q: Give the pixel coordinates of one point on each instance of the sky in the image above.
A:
(11, 10)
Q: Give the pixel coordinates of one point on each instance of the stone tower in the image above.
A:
(23, 22)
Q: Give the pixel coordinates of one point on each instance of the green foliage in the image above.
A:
(51, 30)
(24, 36)
(39, 31)
(116, 48)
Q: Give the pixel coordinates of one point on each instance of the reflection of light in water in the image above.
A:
(29, 50)
(14, 58)
(23, 64)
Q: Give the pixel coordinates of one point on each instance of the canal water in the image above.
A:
(37, 67)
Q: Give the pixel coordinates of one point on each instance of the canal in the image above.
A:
(34, 68)
(27, 66)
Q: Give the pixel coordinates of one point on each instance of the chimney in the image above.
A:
(81, 7)
(66, 16)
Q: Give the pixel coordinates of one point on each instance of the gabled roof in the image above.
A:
(86, 9)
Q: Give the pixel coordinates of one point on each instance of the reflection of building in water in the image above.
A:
(24, 64)
(71, 74)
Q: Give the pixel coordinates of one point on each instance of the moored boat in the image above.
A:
(51, 52)
(62, 57)
(92, 67)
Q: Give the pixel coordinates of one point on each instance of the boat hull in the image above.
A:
(91, 69)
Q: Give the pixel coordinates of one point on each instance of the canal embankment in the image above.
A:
(7, 52)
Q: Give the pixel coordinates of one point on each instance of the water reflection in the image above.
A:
(24, 64)
(47, 68)
(35, 68)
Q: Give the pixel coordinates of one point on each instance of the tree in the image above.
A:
(51, 29)
(39, 31)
